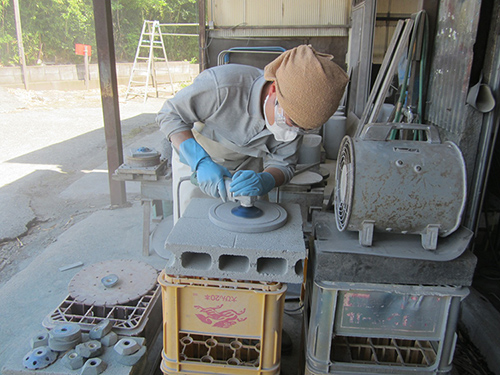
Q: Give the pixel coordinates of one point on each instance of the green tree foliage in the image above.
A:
(52, 27)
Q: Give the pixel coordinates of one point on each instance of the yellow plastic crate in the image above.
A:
(215, 326)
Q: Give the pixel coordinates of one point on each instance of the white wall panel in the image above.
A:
(227, 13)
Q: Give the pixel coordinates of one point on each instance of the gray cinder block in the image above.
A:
(200, 248)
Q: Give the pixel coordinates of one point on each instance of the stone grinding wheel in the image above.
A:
(134, 279)
(273, 217)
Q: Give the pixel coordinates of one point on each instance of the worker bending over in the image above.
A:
(240, 118)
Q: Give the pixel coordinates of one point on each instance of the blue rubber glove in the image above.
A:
(252, 184)
(209, 174)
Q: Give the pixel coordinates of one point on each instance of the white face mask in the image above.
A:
(280, 134)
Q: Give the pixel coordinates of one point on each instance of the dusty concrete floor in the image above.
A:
(50, 139)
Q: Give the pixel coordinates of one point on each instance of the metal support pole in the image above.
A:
(202, 32)
(22, 58)
(109, 96)
(86, 64)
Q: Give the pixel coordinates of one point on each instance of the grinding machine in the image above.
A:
(388, 183)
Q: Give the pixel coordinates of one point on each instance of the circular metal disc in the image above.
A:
(325, 172)
(306, 178)
(135, 279)
(274, 217)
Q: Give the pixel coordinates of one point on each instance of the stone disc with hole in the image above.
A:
(274, 217)
(135, 279)
(306, 178)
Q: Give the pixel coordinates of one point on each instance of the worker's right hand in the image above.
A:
(252, 184)
(209, 174)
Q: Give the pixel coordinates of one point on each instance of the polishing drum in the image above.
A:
(398, 185)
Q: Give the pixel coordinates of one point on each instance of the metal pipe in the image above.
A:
(306, 168)
(298, 27)
(178, 24)
(177, 34)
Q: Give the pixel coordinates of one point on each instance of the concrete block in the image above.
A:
(72, 360)
(66, 332)
(51, 73)
(61, 345)
(201, 248)
(40, 339)
(127, 346)
(110, 339)
(10, 75)
(101, 329)
(131, 359)
(68, 73)
(89, 349)
(37, 73)
(94, 366)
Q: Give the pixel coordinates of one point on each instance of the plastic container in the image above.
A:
(310, 150)
(214, 326)
(333, 132)
(356, 328)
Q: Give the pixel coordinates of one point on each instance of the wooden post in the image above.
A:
(202, 32)
(19, 33)
(109, 96)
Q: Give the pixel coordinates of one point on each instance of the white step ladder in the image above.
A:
(146, 63)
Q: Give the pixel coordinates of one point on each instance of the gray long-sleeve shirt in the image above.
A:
(227, 99)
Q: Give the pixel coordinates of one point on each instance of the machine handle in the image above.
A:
(382, 131)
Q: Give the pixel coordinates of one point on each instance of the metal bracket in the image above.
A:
(430, 237)
(366, 233)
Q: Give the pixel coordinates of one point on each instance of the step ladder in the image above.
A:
(150, 55)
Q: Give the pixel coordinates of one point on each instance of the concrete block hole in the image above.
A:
(269, 266)
(234, 263)
(196, 261)
(299, 268)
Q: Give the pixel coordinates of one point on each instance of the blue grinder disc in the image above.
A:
(247, 212)
(223, 215)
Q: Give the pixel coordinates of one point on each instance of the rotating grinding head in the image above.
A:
(246, 208)
(246, 214)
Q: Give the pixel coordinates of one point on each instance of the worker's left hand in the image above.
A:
(252, 184)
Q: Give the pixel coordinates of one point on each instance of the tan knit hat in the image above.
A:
(309, 85)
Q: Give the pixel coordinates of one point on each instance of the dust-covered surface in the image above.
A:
(50, 140)
(12, 100)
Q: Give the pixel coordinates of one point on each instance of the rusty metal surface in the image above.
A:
(451, 64)
(134, 279)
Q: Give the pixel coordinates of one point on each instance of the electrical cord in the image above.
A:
(294, 311)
